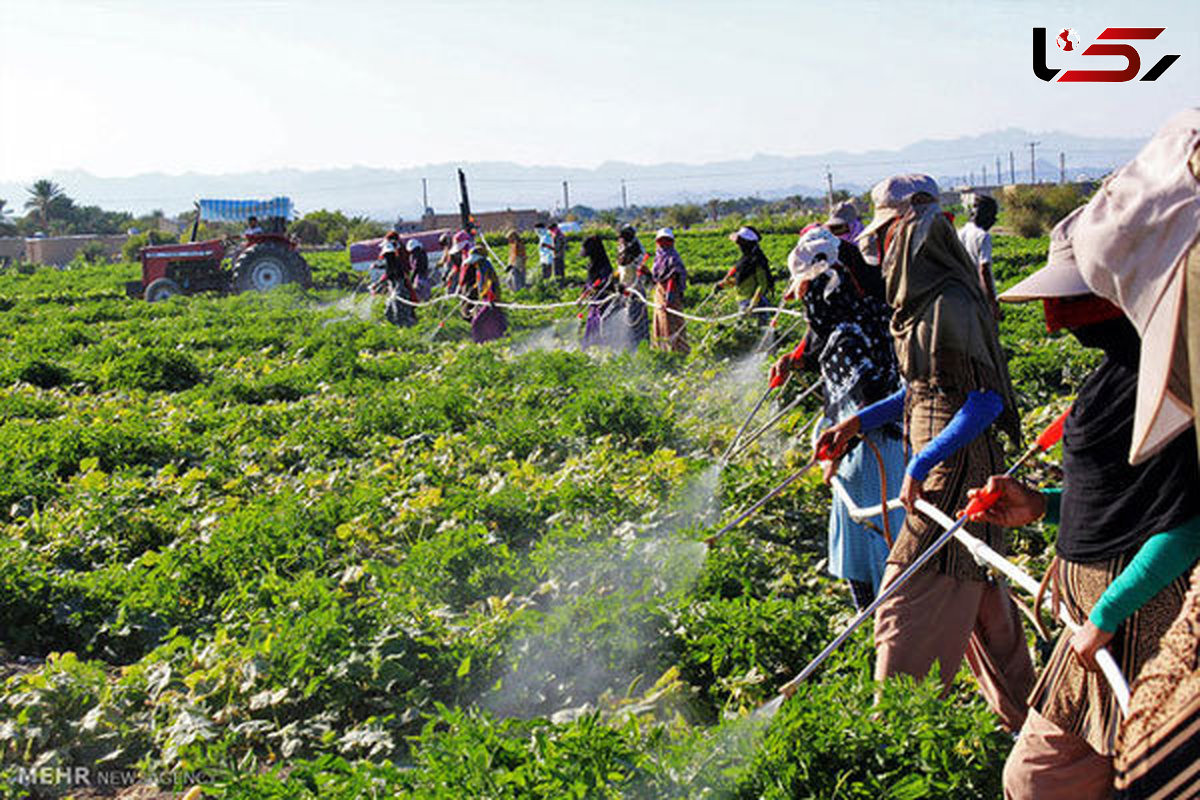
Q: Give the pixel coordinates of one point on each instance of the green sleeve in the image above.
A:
(1163, 558)
(1053, 505)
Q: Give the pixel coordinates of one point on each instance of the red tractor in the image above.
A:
(264, 258)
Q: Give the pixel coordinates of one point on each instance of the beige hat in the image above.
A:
(892, 197)
(844, 213)
(1130, 243)
(1060, 277)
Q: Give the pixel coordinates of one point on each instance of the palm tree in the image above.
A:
(5, 213)
(42, 197)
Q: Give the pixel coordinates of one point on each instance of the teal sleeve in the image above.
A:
(1163, 558)
(1053, 505)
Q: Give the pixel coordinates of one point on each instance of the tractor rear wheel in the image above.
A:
(266, 265)
(161, 289)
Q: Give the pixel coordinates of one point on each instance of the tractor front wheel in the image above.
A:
(161, 289)
(266, 265)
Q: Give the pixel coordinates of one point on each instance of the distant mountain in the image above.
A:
(389, 193)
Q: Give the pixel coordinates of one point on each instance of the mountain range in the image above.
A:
(389, 193)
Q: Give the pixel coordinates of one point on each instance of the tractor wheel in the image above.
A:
(267, 265)
(161, 289)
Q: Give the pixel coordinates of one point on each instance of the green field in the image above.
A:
(272, 541)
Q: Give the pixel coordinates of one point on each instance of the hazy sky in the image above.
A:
(118, 87)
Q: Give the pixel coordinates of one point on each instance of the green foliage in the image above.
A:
(1032, 211)
(270, 537)
(139, 240)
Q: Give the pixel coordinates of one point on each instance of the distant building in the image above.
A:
(59, 250)
(488, 221)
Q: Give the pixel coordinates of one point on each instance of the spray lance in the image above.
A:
(775, 382)
(1045, 441)
(823, 454)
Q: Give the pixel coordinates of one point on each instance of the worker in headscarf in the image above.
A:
(448, 262)
(670, 281)
(976, 239)
(602, 298)
(956, 395)
(844, 222)
(516, 261)
(545, 240)
(849, 346)
(1136, 245)
(559, 240)
(488, 321)
(418, 260)
(631, 266)
(1126, 537)
(397, 282)
(751, 275)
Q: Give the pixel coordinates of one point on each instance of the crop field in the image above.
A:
(275, 547)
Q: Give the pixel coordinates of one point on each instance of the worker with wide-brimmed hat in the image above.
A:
(1137, 244)
(956, 396)
(1126, 535)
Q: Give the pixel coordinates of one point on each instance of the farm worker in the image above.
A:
(457, 281)
(631, 260)
(398, 281)
(252, 226)
(866, 274)
(630, 255)
(545, 249)
(844, 222)
(1126, 537)
(670, 281)
(849, 345)
(603, 326)
(560, 252)
(444, 266)
(751, 275)
(487, 321)
(1136, 245)
(418, 260)
(956, 387)
(977, 240)
(516, 261)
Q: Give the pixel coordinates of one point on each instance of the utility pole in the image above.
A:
(566, 199)
(464, 203)
(424, 196)
(971, 179)
(1012, 168)
(983, 180)
(1062, 167)
(1032, 162)
(999, 174)
(624, 196)
(829, 182)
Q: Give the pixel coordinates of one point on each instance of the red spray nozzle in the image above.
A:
(777, 380)
(981, 502)
(1053, 433)
(826, 453)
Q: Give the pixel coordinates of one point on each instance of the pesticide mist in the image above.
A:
(598, 640)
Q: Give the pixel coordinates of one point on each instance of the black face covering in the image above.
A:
(1108, 506)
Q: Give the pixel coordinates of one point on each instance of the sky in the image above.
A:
(123, 87)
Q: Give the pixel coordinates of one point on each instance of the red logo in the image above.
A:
(1068, 41)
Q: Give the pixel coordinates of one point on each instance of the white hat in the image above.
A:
(413, 244)
(815, 252)
(892, 197)
(664, 233)
(744, 233)
(1060, 277)
(1130, 242)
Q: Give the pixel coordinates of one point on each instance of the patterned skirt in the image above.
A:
(1079, 701)
(670, 330)
(1158, 751)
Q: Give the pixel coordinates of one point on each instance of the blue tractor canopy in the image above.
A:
(241, 210)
